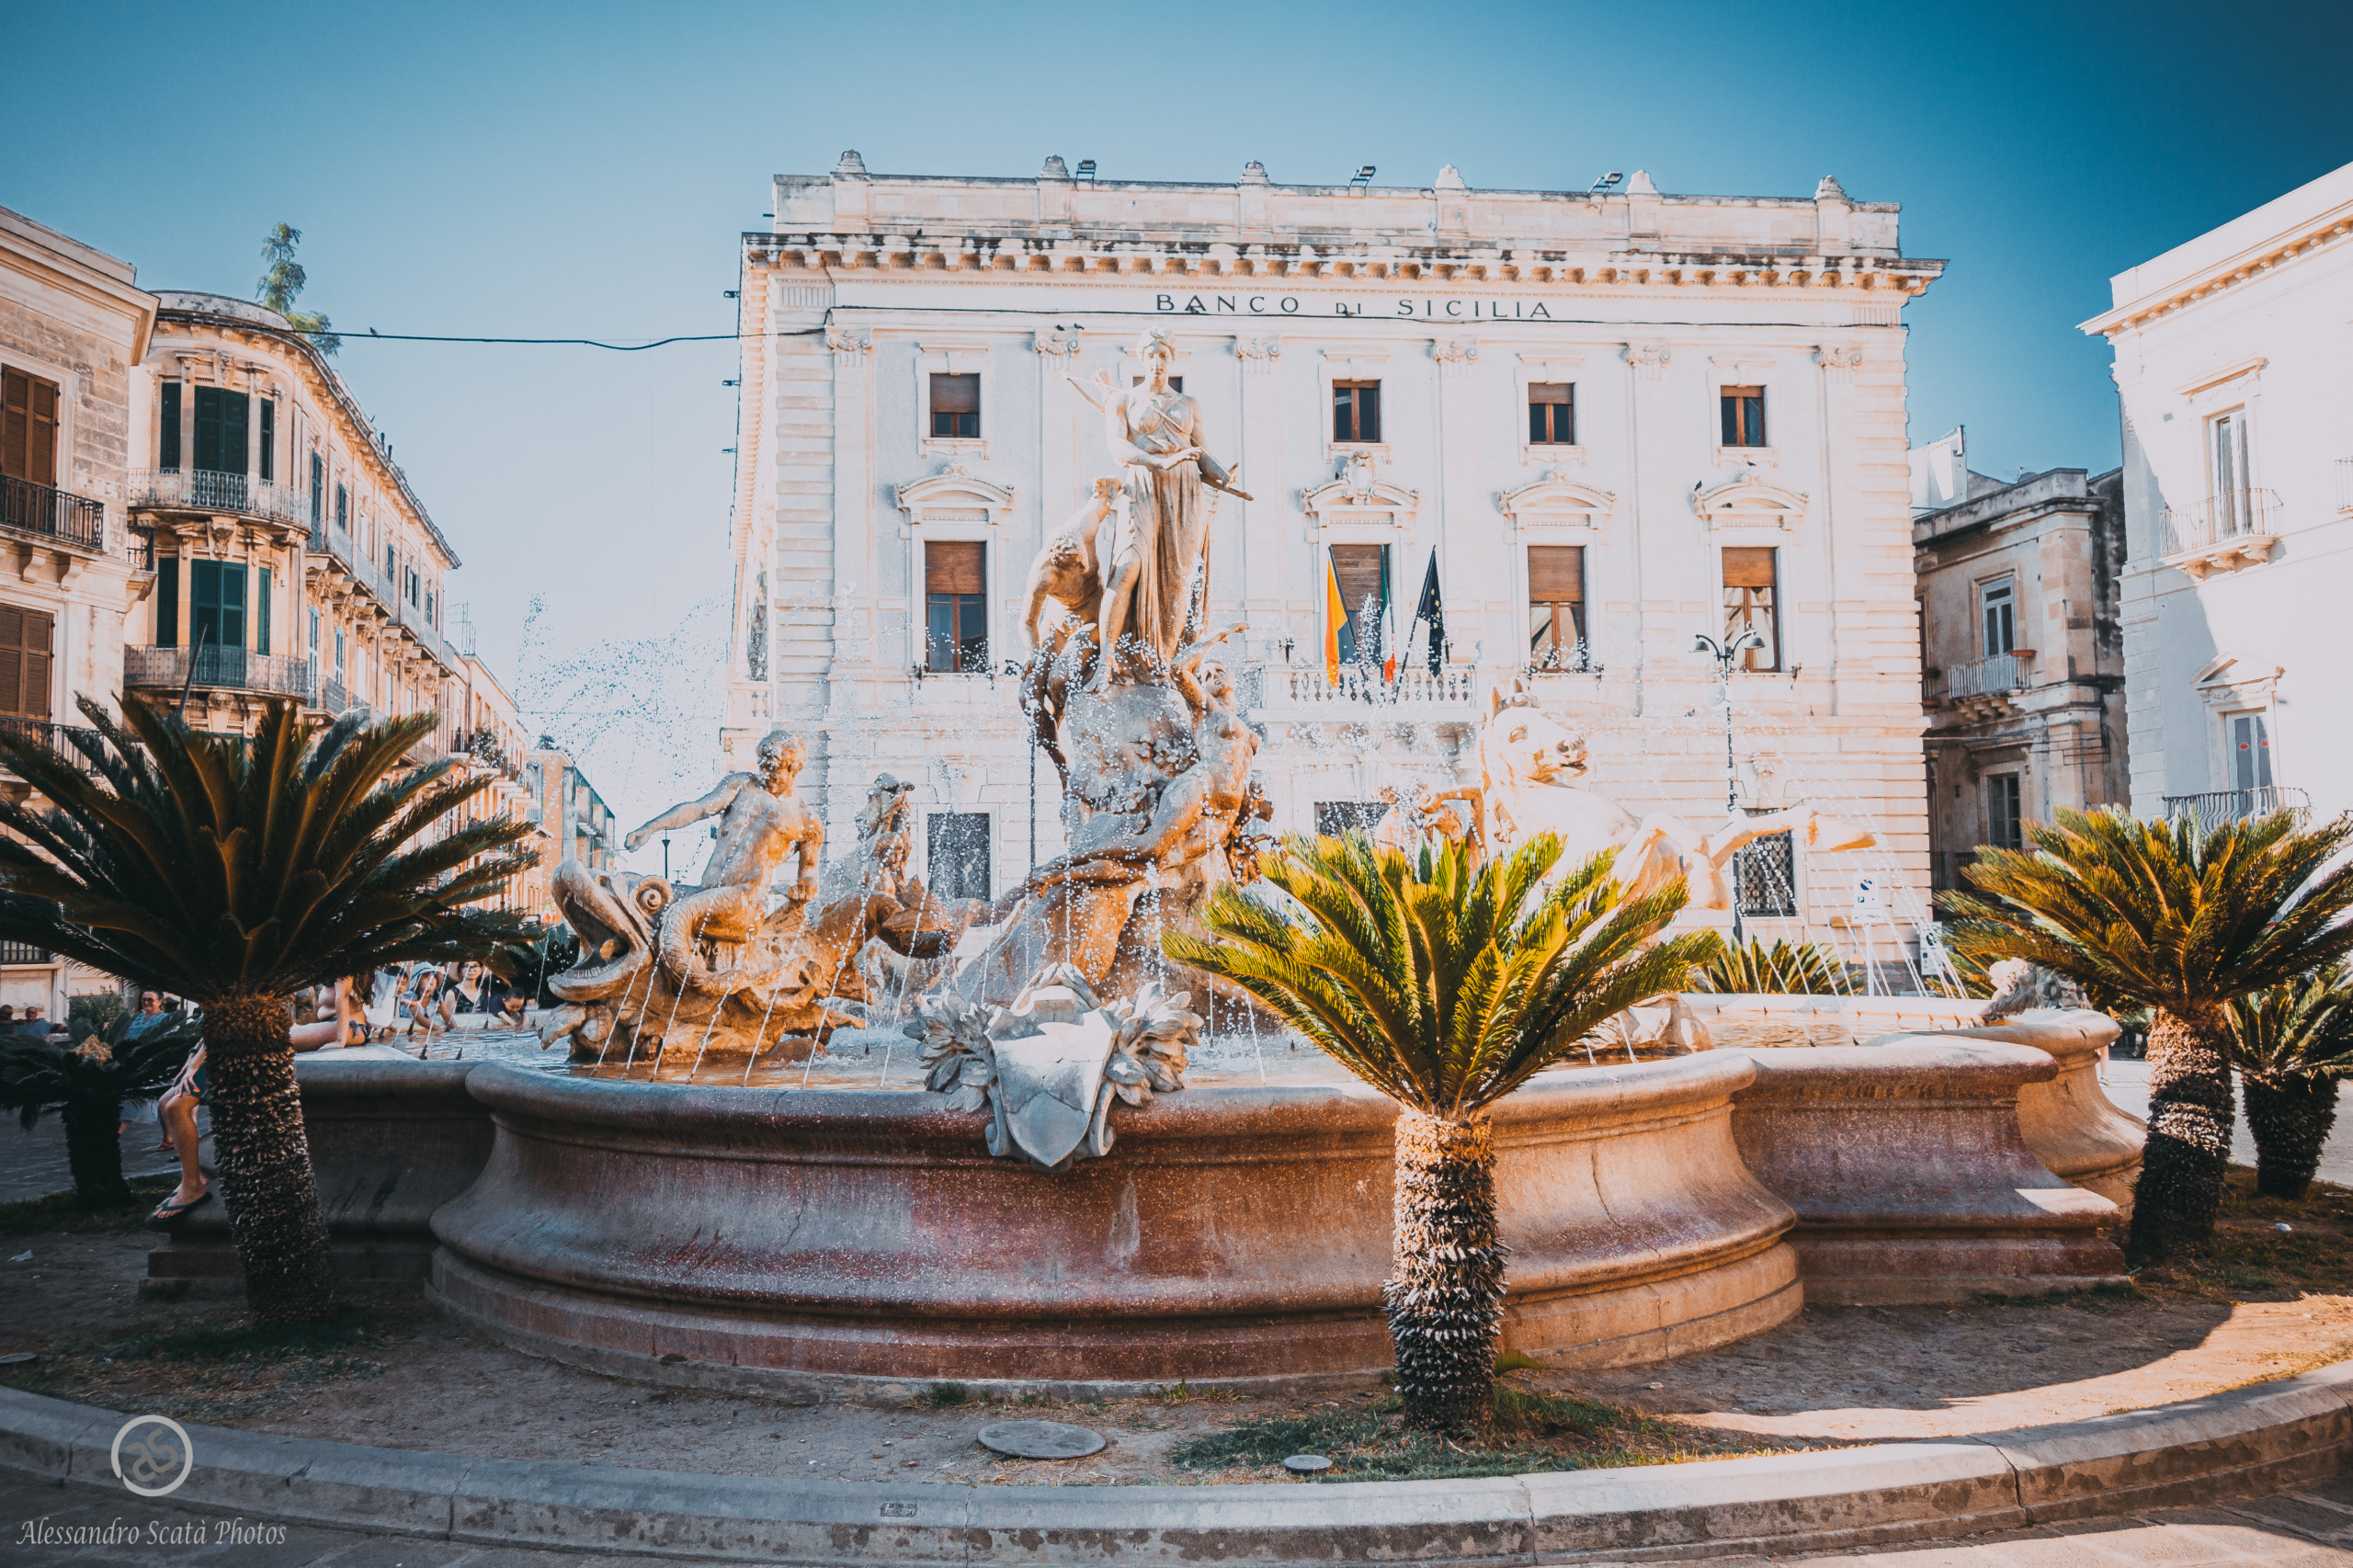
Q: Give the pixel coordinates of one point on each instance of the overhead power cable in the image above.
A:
(575, 342)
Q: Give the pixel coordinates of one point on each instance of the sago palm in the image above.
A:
(1785, 969)
(87, 1080)
(1445, 984)
(2292, 1044)
(2183, 922)
(235, 873)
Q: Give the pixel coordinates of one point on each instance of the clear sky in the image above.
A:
(585, 170)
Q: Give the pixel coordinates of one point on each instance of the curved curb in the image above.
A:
(2242, 1441)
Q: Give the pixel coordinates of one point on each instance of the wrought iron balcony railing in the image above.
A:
(58, 738)
(2235, 527)
(1361, 688)
(25, 953)
(233, 669)
(201, 490)
(2215, 808)
(1984, 677)
(50, 513)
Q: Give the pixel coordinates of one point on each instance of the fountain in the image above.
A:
(1077, 1166)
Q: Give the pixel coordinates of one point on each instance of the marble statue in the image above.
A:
(1529, 763)
(1067, 572)
(711, 969)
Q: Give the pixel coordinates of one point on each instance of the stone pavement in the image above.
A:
(2126, 1081)
(32, 1164)
(2307, 1527)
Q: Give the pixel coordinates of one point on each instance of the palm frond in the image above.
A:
(1441, 983)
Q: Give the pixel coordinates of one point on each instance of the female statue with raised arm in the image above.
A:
(1154, 432)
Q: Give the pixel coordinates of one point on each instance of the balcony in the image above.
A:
(50, 514)
(1412, 692)
(2221, 533)
(58, 738)
(17, 954)
(2216, 808)
(219, 494)
(227, 669)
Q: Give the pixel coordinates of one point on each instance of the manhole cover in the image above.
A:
(1306, 1465)
(1041, 1440)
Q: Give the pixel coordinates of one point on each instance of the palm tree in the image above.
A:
(2291, 1044)
(1785, 969)
(2183, 922)
(234, 873)
(86, 1080)
(1444, 983)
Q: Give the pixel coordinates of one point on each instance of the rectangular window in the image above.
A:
(343, 508)
(2249, 735)
(338, 652)
(1743, 409)
(958, 858)
(391, 567)
(318, 489)
(1556, 606)
(1751, 603)
(1356, 411)
(216, 603)
(1553, 413)
(167, 427)
(167, 597)
(2002, 829)
(261, 615)
(268, 443)
(1765, 877)
(1333, 818)
(314, 634)
(25, 647)
(220, 430)
(956, 607)
(1363, 574)
(2230, 493)
(28, 428)
(1998, 601)
(956, 406)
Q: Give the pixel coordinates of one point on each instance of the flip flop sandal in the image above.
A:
(161, 1220)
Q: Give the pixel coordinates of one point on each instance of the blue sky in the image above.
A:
(583, 170)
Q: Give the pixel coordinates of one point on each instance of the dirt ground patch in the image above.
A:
(2259, 1303)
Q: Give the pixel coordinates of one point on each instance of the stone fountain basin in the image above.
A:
(1235, 1234)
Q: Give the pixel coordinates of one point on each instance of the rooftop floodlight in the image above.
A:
(1364, 175)
(1086, 169)
(1604, 183)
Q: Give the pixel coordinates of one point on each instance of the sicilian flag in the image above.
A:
(1339, 633)
(1431, 609)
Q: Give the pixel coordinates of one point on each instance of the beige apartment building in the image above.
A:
(489, 737)
(2022, 657)
(1609, 422)
(73, 323)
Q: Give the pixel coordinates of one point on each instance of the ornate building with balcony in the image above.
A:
(73, 323)
(490, 739)
(574, 822)
(2022, 657)
(1609, 421)
(2231, 351)
(290, 556)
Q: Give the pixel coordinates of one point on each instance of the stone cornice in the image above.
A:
(929, 257)
(2256, 261)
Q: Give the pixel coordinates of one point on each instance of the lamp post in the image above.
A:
(1725, 652)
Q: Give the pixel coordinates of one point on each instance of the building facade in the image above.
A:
(2022, 652)
(575, 822)
(73, 323)
(2238, 498)
(489, 738)
(1608, 423)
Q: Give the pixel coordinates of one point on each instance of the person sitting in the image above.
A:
(421, 999)
(330, 1024)
(150, 1013)
(468, 995)
(177, 1111)
(32, 1025)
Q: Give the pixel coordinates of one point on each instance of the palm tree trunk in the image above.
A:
(94, 1152)
(2291, 1115)
(1445, 1289)
(272, 1195)
(2189, 1149)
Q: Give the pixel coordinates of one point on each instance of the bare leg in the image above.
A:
(177, 1113)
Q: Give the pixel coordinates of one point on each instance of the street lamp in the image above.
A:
(1726, 651)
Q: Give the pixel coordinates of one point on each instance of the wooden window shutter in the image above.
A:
(1748, 567)
(1359, 569)
(1550, 391)
(955, 394)
(1555, 574)
(954, 568)
(24, 661)
(28, 428)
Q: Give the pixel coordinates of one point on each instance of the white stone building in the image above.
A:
(1631, 416)
(2238, 492)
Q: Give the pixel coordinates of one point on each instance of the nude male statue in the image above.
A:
(759, 825)
(1067, 570)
